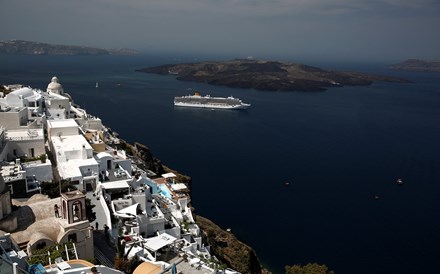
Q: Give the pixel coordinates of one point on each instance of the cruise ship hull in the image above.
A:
(242, 106)
(197, 101)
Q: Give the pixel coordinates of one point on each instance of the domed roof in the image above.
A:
(54, 86)
(23, 92)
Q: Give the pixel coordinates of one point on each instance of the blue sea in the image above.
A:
(336, 150)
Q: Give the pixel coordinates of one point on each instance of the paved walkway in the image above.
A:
(99, 212)
(105, 253)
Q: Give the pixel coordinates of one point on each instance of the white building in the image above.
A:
(21, 125)
(75, 162)
(27, 143)
(25, 98)
(13, 117)
(57, 106)
(72, 152)
(65, 127)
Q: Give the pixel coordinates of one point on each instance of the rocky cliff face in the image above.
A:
(147, 160)
(225, 246)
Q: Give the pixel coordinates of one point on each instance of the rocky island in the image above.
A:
(418, 65)
(267, 75)
(35, 48)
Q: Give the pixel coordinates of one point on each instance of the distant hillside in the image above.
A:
(418, 65)
(267, 75)
(36, 48)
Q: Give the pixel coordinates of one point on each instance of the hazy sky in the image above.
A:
(328, 29)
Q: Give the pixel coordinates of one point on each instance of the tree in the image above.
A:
(310, 268)
(121, 261)
(52, 189)
(91, 215)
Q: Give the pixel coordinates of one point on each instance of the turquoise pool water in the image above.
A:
(165, 191)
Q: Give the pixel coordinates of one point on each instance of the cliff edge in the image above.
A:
(225, 246)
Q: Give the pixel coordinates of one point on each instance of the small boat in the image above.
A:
(376, 197)
(399, 182)
(97, 85)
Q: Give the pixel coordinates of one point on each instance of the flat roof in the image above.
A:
(62, 123)
(178, 186)
(70, 143)
(115, 185)
(71, 168)
(156, 243)
(169, 175)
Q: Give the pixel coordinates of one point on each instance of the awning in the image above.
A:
(129, 210)
(169, 175)
(115, 185)
(179, 186)
(156, 243)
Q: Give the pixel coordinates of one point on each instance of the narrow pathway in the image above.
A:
(105, 253)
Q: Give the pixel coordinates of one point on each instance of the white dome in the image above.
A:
(54, 86)
(23, 92)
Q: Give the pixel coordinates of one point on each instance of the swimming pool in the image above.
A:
(165, 191)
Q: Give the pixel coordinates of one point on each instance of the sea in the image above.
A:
(300, 176)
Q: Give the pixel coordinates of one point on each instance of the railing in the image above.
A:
(25, 138)
(16, 176)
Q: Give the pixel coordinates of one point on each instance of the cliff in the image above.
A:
(267, 75)
(418, 65)
(224, 245)
(228, 248)
(36, 48)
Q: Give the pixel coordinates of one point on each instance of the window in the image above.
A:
(11, 189)
(72, 238)
(41, 245)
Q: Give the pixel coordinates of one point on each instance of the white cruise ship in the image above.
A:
(207, 101)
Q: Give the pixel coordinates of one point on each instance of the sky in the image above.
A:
(350, 30)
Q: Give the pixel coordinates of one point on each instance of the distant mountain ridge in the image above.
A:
(418, 65)
(267, 75)
(36, 48)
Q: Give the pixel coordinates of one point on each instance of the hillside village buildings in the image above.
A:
(44, 137)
